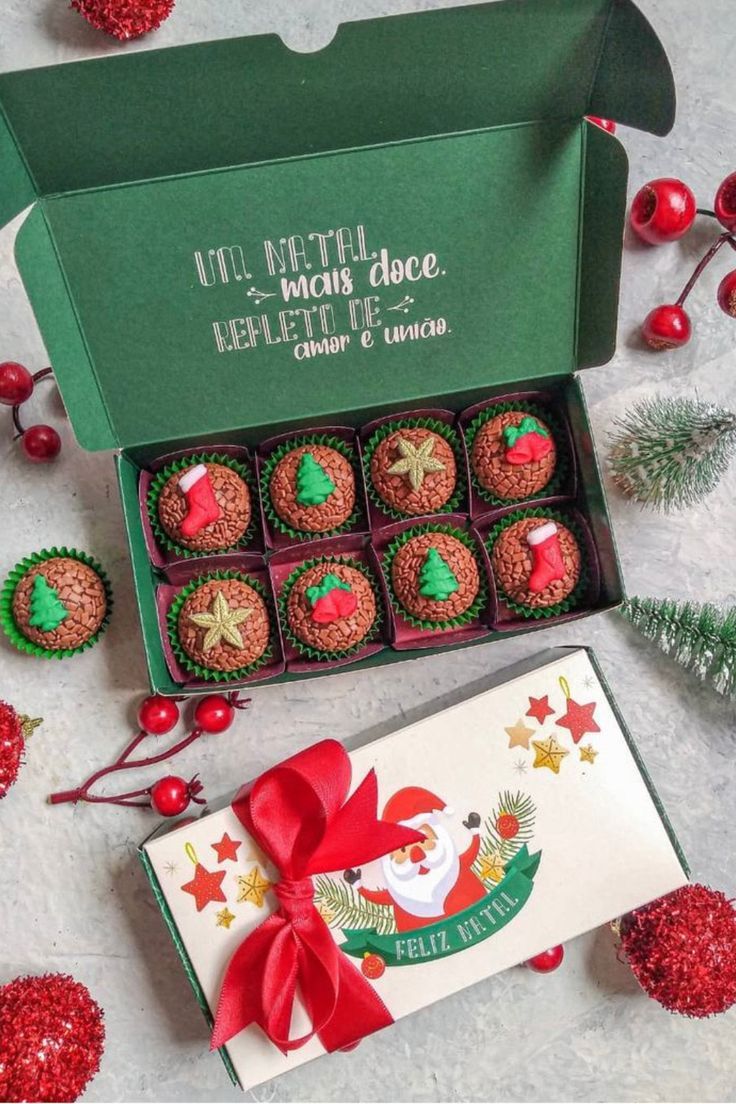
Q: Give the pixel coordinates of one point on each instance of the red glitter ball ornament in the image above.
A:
(124, 19)
(51, 1038)
(11, 748)
(682, 949)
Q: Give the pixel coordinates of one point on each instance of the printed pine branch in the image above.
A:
(522, 807)
(346, 909)
(670, 453)
(701, 638)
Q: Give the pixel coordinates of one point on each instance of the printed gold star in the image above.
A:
(29, 724)
(221, 623)
(491, 867)
(416, 462)
(253, 887)
(588, 754)
(519, 735)
(548, 753)
(225, 918)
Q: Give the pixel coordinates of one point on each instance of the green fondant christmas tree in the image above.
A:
(313, 484)
(47, 609)
(436, 579)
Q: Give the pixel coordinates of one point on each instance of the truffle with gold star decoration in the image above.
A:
(548, 753)
(225, 918)
(416, 461)
(519, 735)
(587, 753)
(221, 623)
(253, 887)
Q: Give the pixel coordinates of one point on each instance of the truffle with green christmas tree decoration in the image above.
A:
(701, 638)
(670, 453)
(436, 579)
(313, 484)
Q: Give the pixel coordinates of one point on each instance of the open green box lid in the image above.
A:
(201, 214)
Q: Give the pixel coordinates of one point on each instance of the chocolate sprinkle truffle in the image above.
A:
(205, 507)
(513, 455)
(312, 488)
(223, 625)
(330, 607)
(536, 562)
(413, 470)
(60, 603)
(435, 577)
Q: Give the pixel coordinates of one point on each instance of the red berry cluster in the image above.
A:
(663, 211)
(40, 443)
(170, 795)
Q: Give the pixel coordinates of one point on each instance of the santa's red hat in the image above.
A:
(412, 802)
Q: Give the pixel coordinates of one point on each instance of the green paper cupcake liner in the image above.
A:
(7, 621)
(471, 613)
(161, 477)
(550, 419)
(306, 649)
(576, 595)
(267, 471)
(172, 622)
(452, 437)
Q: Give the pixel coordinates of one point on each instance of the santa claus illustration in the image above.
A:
(429, 880)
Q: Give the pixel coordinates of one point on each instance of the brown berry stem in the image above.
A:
(705, 211)
(16, 409)
(703, 264)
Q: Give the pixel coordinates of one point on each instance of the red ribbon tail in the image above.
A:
(241, 1001)
(359, 1010)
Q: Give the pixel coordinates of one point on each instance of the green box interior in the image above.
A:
(165, 221)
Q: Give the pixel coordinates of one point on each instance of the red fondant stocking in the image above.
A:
(547, 556)
(202, 506)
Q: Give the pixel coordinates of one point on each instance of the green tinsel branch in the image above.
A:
(700, 637)
(671, 452)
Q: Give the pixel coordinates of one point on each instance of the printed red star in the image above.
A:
(226, 849)
(539, 709)
(579, 719)
(205, 886)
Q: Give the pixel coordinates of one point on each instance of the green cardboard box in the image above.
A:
(230, 240)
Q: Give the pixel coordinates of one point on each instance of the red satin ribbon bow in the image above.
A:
(300, 816)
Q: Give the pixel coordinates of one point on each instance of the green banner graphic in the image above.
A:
(453, 933)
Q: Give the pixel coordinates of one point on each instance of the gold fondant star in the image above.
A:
(519, 735)
(491, 867)
(548, 753)
(253, 887)
(416, 462)
(588, 754)
(225, 918)
(221, 623)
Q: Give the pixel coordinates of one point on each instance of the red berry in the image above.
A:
(373, 966)
(507, 826)
(547, 961)
(16, 383)
(727, 294)
(666, 327)
(170, 795)
(725, 202)
(41, 443)
(214, 713)
(663, 210)
(604, 124)
(157, 714)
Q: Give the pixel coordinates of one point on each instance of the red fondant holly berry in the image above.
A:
(507, 826)
(667, 327)
(663, 210)
(727, 294)
(214, 713)
(16, 383)
(547, 961)
(373, 966)
(157, 714)
(41, 443)
(171, 795)
(724, 205)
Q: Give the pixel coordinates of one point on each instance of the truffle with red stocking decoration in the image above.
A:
(202, 507)
(51, 1038)
(682, 949)
(548, 564)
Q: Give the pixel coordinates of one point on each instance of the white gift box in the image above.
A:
(540, 823)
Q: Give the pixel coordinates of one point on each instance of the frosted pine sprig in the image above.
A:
(671, 452)
(701, 638)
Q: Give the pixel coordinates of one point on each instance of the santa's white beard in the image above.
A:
(424, 894)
